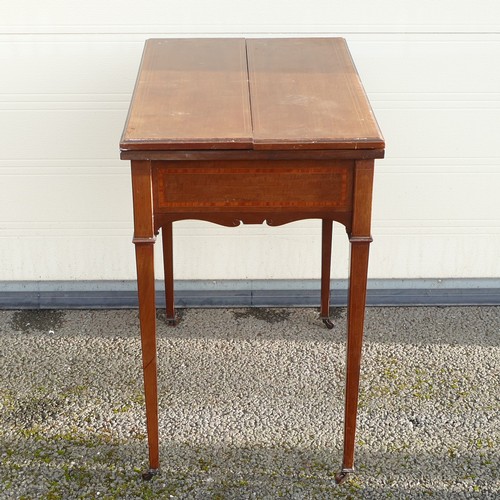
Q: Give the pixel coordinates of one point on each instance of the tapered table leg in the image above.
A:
(168, 265)
(147, 315)
(355, 323)
(144, 239)
(360, 238)
(326, 259)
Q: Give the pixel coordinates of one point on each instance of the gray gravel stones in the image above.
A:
(251, 405)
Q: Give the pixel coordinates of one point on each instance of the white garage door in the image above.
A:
(432, 72)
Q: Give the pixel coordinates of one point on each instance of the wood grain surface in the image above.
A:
(190, 94)
(207, 185)
(306, 93)
(260, 94)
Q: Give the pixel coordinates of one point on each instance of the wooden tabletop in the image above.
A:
(274, 94)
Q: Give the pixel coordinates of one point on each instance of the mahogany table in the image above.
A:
(250, 131)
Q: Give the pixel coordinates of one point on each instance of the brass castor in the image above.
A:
(343, 475)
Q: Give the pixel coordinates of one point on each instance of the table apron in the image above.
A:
(253, 186)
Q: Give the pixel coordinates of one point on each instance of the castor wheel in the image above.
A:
(149, 474)
(343, 475)
(328, 323)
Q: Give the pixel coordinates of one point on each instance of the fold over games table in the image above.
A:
(250, 131)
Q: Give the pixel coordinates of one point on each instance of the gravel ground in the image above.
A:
(251, 405)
